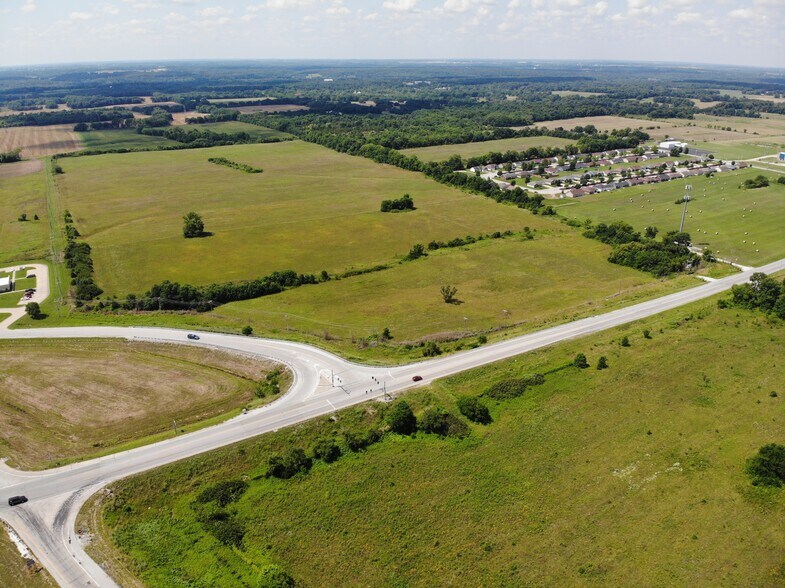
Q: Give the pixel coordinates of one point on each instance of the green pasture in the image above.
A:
(122, 139)
(442, 152)
(735, 150)
(23, 241)
(633, 475)
(720, 216)
(233, 126)
(311, 209)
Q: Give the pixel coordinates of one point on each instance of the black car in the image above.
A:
(16, 500)
(192, 336)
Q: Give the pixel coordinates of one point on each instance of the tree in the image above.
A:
(448, 293)
(602, 363)
(431, 349)
(401, 419)
(651, 232)
(386, 334)
(474, 410)
(247, 330)
(327, 450)
(80, 127)
(580, 361)
(417, 251)
(708, 256)
(438, 421)
(193, 226)
(781, 180)
(33, 310)
(285, 466)
(23, 217)
(767, 468)
(35, 217)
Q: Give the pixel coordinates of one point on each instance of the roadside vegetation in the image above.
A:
(499, 506)
(80, 398)
(16, 571)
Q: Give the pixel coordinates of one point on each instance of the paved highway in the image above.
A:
(323, 383)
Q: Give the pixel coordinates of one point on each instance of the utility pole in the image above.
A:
(174, 426)
(332, 378)
(688, 187)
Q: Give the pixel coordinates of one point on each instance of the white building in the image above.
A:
(5, 284)
(667, 146)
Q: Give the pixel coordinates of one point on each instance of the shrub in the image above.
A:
(288, 465)
(247, 330)
(767, 468)
(22, 217)
(759, 181)
(625, 341)
(431, 349)
(507, 389)
(223, 493)
(326, 450)
(474, 410)
(357, 442)
(440, 422)
(580, 361)
(399, 204)
(401, 419)
(448, 293)
(225, 527)
(193, 225)
(646, 334)
(417, 251)
(275, 577)
(602, 363)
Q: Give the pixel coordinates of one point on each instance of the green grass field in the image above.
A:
(234, 126)
(122, 139)
(442, 152)
(716, 217)
(533, 283)
(734, 150)
(311, 209)
(618, 477)
(23, 241)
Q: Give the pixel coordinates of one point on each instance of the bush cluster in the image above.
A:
(235, 165)
(763, 293)
(507, 389)
(398, 204)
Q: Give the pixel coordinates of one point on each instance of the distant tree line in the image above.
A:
(66, 117)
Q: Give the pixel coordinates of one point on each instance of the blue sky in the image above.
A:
(746, 32)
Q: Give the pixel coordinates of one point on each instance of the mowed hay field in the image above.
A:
(511, 284)
(64, 399)
(23, 241)
(311, 209)
(234, 126)
(629, 476)
(721, 215)
(40, 141)
(442, 152)
(122, 139)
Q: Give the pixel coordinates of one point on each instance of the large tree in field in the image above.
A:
(193, 225)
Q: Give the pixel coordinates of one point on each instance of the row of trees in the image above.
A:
(398, 204)
(244, 167)
(78, 259)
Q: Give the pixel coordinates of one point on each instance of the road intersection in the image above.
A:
(323, 383)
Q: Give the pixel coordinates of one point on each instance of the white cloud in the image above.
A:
(337, 8)
(109, 9)
(598, 9)
(81, 16)
(214, 11)
(741, 13)
(29, 6)
(686, 17)
(280, 5)
(400, 5)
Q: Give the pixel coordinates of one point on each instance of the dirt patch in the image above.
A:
(20, 168)
(40, 141)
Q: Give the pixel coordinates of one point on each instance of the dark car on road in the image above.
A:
(192, 336)
(416, 378)
(17, 500)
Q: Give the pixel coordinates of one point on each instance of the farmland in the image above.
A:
(255, 131)
(121, 139)
(40, 141)
(86, 397)
(556, 491)
(29, 240)
(442, 152)
(311, 209)
(742, 225)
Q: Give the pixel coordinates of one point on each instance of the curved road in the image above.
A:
(323, 383)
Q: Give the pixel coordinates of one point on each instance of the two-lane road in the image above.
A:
(46, 523)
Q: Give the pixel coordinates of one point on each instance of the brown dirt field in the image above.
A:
(62, 400)
(40, 141)
(20, 168)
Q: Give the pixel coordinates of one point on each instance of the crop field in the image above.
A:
(67, 399)
(311, 209)
(741, 225)
(121, 139)
(532, 284)
(20, 168)
(442, 152)
(623, 476)
(40, 141)
(29, 240)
